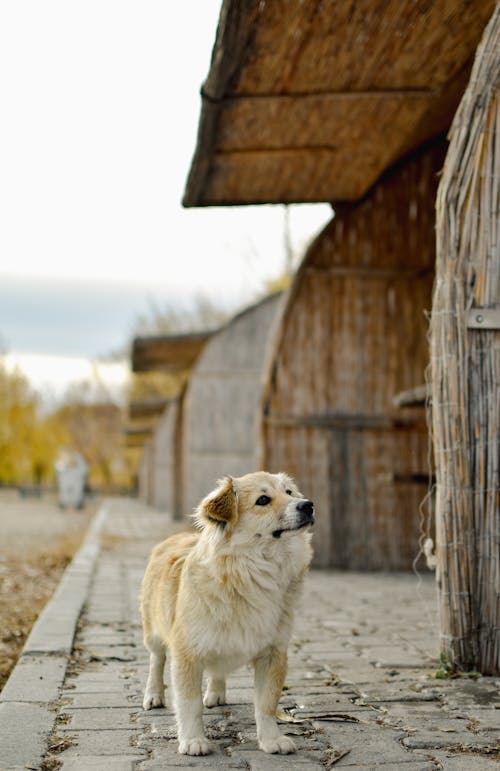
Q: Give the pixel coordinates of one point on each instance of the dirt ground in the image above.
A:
(37, 540)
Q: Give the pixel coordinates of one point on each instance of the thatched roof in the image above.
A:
(311, 101)
(167, 353)
(137, 436)
(147, 408)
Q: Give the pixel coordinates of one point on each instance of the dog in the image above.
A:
(224, 596)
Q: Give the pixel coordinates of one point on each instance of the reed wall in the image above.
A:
(465, 340)
(352, 336)
(167, 460)
(146, 472)
(222, 402)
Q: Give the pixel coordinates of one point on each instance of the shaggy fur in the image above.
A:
(225, 596)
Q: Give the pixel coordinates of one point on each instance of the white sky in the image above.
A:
(53, 375)
(100, 105)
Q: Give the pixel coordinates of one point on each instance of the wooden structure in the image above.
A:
(312, 101)
(160, 467)
(343, 102)
(210, 428)
(352, 336)
(160, 432)
(465, 340)
(137, 436)
(167, 353)
(166, 459)
(145, 473)
(221, 415)
(145, 409)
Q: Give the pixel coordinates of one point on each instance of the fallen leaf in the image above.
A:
(340, 716)
(335, 759)
(289, 717)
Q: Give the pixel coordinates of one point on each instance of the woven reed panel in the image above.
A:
(167, 459)
(222, 402)
(466, 372)
(146, 473)
(312, 101)
(353, 335)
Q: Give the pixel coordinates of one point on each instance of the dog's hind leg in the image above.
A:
(215, 693)
(186, 682)
(154, 695)
(270, 673)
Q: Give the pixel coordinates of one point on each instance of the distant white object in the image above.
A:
(72, 473)
(430, 555)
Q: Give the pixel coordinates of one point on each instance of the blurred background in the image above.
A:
(101, 104)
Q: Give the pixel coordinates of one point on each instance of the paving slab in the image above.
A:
(258, 761)
(360, 692)
(103, 743)
(27, 714)
(463, 762)
(36, 679)
(24, 729)
(453, 740)
(95, 763)
(410, 764)
(97, 718)
(168, 757)
(121, 698)
(94, 685)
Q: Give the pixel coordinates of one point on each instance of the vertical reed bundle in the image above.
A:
(465, 366)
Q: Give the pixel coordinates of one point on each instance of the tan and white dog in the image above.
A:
(225, 596)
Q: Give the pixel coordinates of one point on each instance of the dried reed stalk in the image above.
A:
(465, 367)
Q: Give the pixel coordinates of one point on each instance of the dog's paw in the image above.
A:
(279, 744)
(214, 699)
(197, 746)
(153, 699)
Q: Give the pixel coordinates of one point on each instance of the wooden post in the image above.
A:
(465, 356)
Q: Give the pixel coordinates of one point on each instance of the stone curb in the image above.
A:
(26, 718)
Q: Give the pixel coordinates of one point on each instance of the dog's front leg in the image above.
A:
(270, 673)
(186, 682)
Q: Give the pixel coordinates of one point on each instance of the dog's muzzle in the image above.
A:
(304, 516)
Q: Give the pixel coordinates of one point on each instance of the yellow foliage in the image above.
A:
(96, 432)
(150, 385)
(29, 443)
(279, 284)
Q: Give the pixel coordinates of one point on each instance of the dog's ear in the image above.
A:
(220, 506)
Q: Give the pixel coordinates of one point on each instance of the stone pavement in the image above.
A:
(360, 692)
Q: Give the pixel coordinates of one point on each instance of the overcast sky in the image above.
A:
(100, 106)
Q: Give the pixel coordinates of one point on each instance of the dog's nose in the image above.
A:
(306, 507)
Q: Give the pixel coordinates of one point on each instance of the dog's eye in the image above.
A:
(288, 492)
(263, 500)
